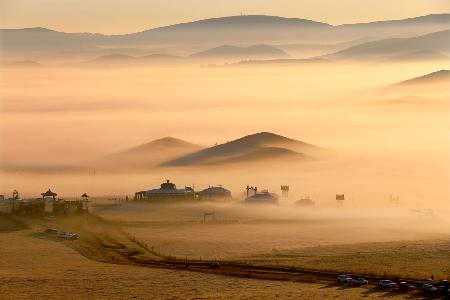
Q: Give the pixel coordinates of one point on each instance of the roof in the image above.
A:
(168, 191)
(263, 197)
(216, 191)
(85, 195)
(305, 201)
(168, 188)
(49, 193)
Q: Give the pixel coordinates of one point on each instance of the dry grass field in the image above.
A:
(411, 259)
(376, 244)
(33, 266)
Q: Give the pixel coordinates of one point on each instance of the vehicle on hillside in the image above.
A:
(444, 283)
(359, 281)
(386, 283)
(405, 286)
(68, 235)
(429, 288)
(443, 287)
(425, 281)
(214, 265)
(344, 278)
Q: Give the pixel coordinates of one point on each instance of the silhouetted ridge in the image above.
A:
(438, 76)
(237, 149)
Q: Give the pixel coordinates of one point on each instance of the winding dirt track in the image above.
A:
(103, 241)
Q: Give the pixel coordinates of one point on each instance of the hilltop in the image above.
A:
(149, 154)
(442, 76)
(263, 145)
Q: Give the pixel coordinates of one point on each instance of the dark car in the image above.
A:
(214, 265)
(386, 283)
(51, 230)
(443, 287)
(445, 283)
(425, 281)
(360, 281)
(429, 288)
(405, 286)
(344, 278)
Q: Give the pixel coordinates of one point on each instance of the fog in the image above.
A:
(56, 119)
(240, 229)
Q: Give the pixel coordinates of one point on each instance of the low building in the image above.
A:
(307, 202)
(263, 197)
(167, 191)
(33, 207)
(214, 193)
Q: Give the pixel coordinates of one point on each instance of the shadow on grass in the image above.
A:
(388, 293)
(10, 224)
(45, 236)
(330, 286)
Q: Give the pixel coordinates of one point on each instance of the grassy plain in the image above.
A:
(33, 266)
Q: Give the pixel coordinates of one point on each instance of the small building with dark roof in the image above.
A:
(49, 193)
(167, 191)
(307, 202)
(263, 197)
(214, 193)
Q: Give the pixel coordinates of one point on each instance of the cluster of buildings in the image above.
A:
(169, 191)
(47, 204)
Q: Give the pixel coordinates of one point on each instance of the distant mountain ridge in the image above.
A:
(247, 29)
(437, 41)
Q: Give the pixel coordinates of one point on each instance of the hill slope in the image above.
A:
(442, 76)
(118, 59)
(149, 154)
(437, 41)
(241, 53)
(248, 29)
(264, 145)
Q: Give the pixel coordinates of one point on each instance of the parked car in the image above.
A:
(405, 286)
(445, 283)
(443, 287)
(68, 235)
(386, 283)
(360, 281)
(429, 288)
(51, 230)
(344, 278)
(214, 265)
(425, 281)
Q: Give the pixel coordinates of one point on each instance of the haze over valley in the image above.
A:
(353, 118)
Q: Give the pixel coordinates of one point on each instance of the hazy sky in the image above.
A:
(114, 16)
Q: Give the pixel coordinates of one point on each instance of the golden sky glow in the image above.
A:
(114, 16)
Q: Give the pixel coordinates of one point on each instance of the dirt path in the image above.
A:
(106, 242)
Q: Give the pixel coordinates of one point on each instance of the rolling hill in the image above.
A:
(243, 30)
(122, 59)
(259, 146)
(241, 53)
(434, 42)
(265, 154)
(438, 77)
(148, 155)
(417, 56)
